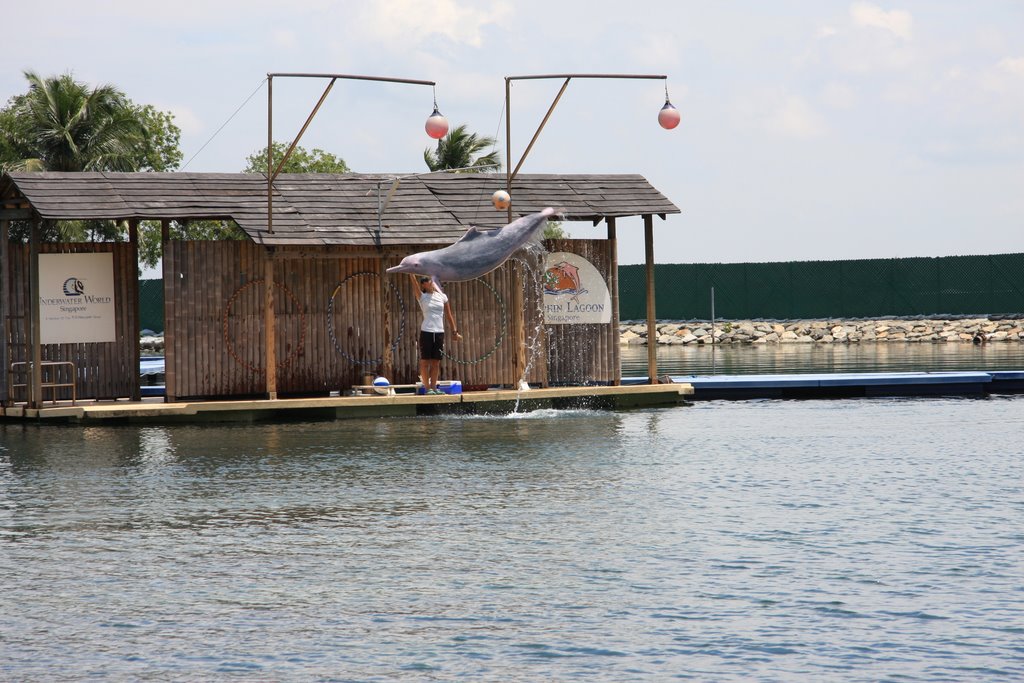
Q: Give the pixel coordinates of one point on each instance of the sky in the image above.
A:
(811, 130)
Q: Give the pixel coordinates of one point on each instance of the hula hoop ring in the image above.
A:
(330, 321)
(501, 334)
(283, 363)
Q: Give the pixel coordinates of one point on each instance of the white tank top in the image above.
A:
(432, 305)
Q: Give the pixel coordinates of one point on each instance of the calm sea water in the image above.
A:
(813, 358)
(867, 540)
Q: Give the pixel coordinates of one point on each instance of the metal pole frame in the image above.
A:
(273, 172)
(270, 360)
(510, 175)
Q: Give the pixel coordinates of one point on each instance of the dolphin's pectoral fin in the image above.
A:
(437, 283)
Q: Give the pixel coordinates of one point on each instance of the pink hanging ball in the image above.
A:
(669, 116)
(437, 125)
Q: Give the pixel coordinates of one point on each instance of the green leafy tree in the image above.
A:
(151, 247)
(63, 125)
(555, 231)
(162, 149)
(460, 149)
(300, 161)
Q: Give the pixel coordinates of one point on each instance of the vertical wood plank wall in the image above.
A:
(328, 330)
(5, 321)
(329, 334)
(105, 370)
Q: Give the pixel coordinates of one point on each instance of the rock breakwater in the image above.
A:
(963, 331)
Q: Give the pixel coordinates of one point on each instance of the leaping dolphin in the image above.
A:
(477, 253)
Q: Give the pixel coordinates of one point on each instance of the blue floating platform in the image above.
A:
(850, 385)
(818, 385)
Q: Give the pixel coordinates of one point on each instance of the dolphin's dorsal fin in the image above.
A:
(471, 234)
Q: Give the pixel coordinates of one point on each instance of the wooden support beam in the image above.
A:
(387, 357)
(312, 254)
(5, 333)
(35, 391)
(15, 214)
(652, 324)
(134, 352)
(269, 329)
(518, 323)
(171, 280)
(613, 286)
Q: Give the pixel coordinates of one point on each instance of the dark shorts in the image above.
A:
(431, 345)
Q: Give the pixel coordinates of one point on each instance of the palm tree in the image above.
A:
(458, 149)
(64, 126)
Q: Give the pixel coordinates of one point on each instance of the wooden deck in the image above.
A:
(343, 407)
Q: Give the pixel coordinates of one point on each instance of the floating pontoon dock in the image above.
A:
(851, 385)
(154, 410)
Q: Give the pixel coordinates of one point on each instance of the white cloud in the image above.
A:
(184, 118)
(838, 96)
(795, 118)
(897, 22)
(414, 21)
(1003, 80)
(284, 38)
(1012, 65)
(659, 51)
(867, 41)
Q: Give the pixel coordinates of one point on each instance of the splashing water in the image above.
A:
(530, 262)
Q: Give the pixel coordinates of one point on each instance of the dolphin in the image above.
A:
(477, 252)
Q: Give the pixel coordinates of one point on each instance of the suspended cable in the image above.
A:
(240, 107)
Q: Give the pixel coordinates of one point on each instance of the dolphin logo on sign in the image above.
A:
(575, 292)
(563, 278)
(74, 287)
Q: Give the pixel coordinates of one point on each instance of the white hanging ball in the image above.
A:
(501, 200)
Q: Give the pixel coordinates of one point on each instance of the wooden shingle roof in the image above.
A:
(331, 209)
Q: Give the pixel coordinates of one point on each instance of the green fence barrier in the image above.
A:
(151, 305)
(948, 285)
(869, 288)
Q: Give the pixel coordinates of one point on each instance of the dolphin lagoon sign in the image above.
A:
(575, 293)
(76, 298)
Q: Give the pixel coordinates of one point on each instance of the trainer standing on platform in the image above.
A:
(434, 305)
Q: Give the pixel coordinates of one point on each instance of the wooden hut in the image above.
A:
(303, 308)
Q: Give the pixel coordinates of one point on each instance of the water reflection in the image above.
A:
(358, 473)
(156, 446)
(734, 359)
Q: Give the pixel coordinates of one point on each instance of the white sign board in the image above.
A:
(76, 298)
(575, 293)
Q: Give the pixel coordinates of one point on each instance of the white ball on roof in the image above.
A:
(501, 200)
